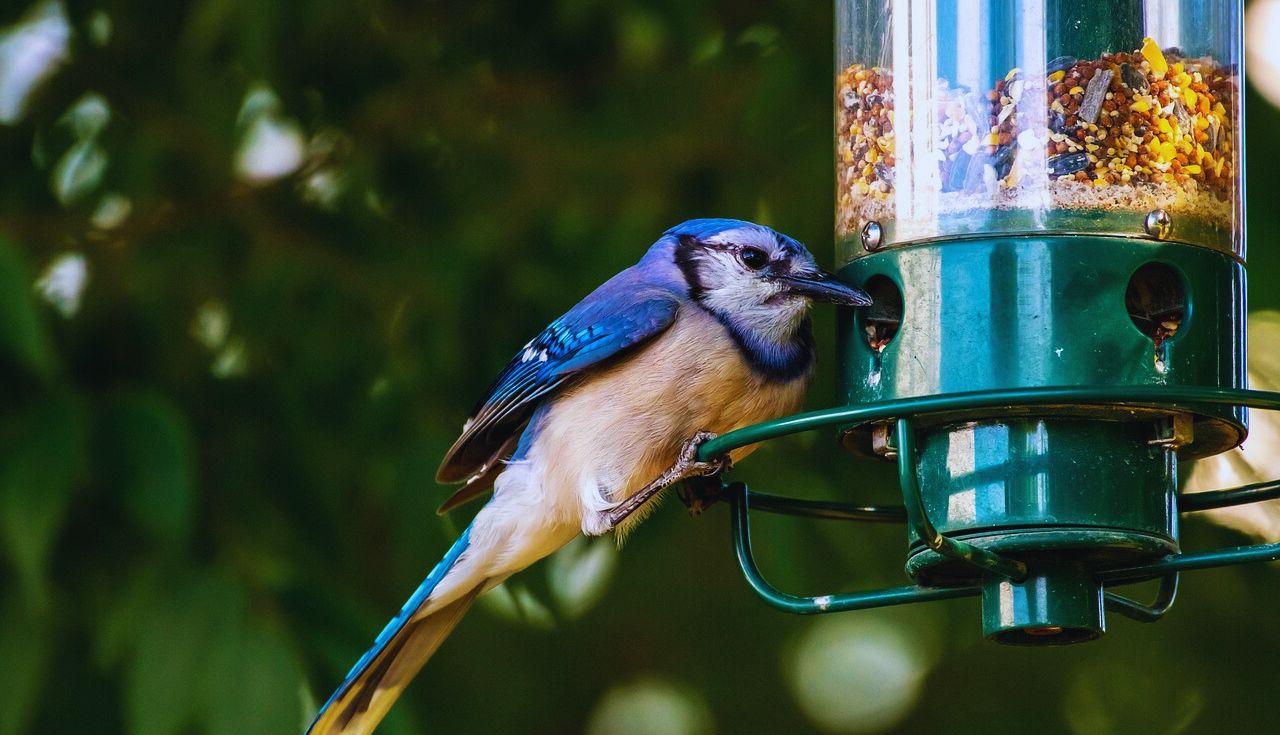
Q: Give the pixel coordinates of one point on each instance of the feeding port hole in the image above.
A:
(884, 317)
(1156, 300)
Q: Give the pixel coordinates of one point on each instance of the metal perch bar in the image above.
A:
(1158, 396)
(739, 503)
(1133, 610)
(742, 500)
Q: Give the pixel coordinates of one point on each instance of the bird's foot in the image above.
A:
(700, 493)
(687, 466)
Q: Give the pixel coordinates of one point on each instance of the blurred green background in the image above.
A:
(257, 261)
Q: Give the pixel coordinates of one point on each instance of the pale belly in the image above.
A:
(613, 433)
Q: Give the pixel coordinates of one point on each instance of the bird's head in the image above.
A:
(757, 278)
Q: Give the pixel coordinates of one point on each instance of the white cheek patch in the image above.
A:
(731, 290)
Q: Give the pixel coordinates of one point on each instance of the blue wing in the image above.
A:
(616, 317)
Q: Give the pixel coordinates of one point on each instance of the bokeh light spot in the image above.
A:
(857, 673)
(63, 282)
(1262, 27)
(112, 211)
(650, 706)
(271, 146)
(31, 50)
(580, 573)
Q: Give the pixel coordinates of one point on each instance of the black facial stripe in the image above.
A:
(687, 260)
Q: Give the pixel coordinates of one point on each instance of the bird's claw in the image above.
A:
(687, 466)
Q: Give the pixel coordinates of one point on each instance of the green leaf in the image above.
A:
(23, 339)
(150, 457)
(38, 472)
(252, 684)
(116, 628)
(174, 638)
(24, 651)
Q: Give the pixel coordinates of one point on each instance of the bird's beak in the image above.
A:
(822, 286)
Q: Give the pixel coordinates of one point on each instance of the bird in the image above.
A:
(597, 414)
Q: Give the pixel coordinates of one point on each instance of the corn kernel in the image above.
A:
(1177, 67)
(1076, 90)
(1191, 168)
(1165, 128)
(1189, 97)
(1099, 182)
(1151, 52)
(1140, 105)
(1057, 75)
(1219, 110)
(1167, 151)
(1202, 122)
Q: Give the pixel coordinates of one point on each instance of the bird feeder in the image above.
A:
(1045, 200)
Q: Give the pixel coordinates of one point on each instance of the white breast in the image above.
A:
(610, 435)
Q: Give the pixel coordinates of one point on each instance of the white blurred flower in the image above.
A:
(63, 283)
(1258, 459)
(79, 171)
(650, 706)
(211, 327)
(858, 673)
(112, 211)
(322, 188)
(30, 51)
(271, 146)
(88, 116)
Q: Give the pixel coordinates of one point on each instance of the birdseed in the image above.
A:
(1128, 131)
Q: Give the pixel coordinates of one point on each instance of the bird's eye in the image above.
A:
(754, 258)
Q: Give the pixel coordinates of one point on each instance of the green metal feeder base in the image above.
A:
(1028, 598)
(1092, 491)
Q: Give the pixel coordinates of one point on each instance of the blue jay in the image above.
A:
(709, 332)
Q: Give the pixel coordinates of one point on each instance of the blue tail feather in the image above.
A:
(396, 624)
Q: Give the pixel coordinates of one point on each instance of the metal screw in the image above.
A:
(881, 441)
(872, 235)
(1158, 224)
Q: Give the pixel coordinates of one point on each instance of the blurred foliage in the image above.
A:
(258, 259)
